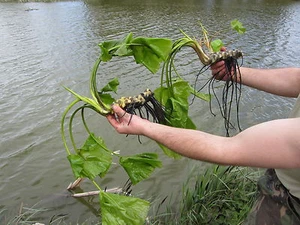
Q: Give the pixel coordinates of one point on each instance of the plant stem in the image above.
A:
(94, 182)
(63, 122)
(93, 87)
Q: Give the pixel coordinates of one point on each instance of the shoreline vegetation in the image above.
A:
(219, 195)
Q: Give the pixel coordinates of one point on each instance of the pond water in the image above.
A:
(48, 45)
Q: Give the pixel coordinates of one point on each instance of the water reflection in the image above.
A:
(56, 45)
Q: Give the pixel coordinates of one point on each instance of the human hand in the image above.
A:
(126, 123)
(219, 70)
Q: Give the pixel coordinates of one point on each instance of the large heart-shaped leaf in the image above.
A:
(140, 167)
(122, 210)
(92, 160)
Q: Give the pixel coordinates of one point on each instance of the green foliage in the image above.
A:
(111, 86)
(122, 210)
(216, 45)
(222, 195)
(94, 159)
(133, 164)
(147, 51)
(176, 101)
(238, 26)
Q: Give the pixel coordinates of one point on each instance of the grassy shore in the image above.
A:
(221, 195)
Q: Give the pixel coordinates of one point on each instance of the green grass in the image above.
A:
(221, 195)
(32, 216)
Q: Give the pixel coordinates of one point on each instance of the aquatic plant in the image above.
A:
(168, 104)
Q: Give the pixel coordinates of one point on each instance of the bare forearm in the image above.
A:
(282, 81)
(273, 144)
(190, 143)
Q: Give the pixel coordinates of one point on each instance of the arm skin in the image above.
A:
(282, 81)
(274, 144)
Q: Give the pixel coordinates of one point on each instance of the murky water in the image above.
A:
(45, 46)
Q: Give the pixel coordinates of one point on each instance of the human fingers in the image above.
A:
(223, 49)
(119, 120)
(216, 68)
(112, 120)
(118, 111)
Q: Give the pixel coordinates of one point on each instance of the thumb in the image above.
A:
(118, 110)
(223, 49)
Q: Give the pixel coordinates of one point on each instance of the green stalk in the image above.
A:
(169, 64)
(83, 118)
(63, 122)
(197, 47)
(94, 182)
(71, 123)
(93, 87)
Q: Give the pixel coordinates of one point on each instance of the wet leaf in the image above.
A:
(147, 51)
(122, 210)
(106, 50)
(76, 162)
(140, 167)
(238, 26)
(203, 96)
(151, 51)
(111, 86)
(161, 47)
(169, 152)
(92, 160)
(90, 101)
(216, 45)
(124, 48)
(177, 105)
(107, 99)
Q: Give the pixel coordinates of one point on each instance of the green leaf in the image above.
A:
(107, 99)
(93, 159)
(122, 210)
(111, 86)
(179, 116)
(203, 96)
(162, 94)
(216, 45)
(89, 101)
(161, 47)
(176, 102)
(151, 51)
(238, 26)
(115, 47)
(76, 162)
(168, 152)
(140, 167)
(105, 50)
(181, 91)
(147, 51)
(124, 48)
(144, 56)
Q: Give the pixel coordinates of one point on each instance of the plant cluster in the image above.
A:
(221, 195)
(93, 159)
